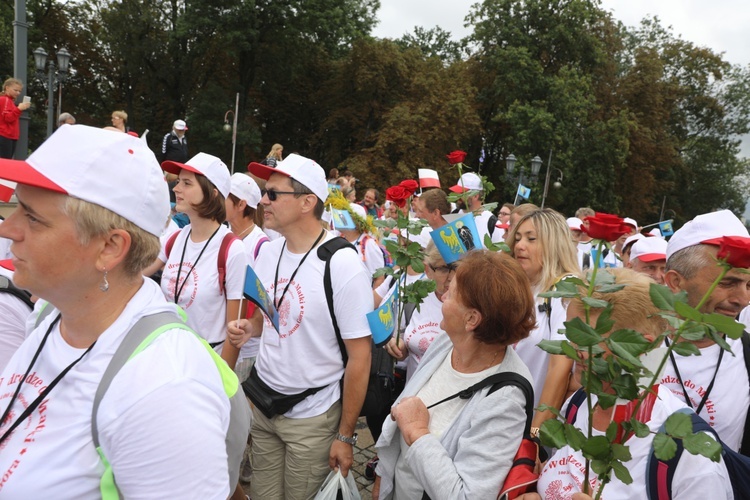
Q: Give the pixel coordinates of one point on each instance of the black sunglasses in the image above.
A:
(273, 194)
(447, 269)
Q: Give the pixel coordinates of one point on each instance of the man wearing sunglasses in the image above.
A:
(302, 362)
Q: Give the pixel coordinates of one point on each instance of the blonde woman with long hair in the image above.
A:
(541, 244)
(274, 156)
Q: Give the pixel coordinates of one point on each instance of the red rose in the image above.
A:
(410, 185)
(735, 250)
(605, 227)
(398, 195)
(456, 157)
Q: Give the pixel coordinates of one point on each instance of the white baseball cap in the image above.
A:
(179, 125)
(706, 229)
(649, 249)
(468, 182)
(205, 164)
(632, 239)
(574, 223)
(115, 171)
(303, 170)
(630, 222)
(359, 210)
(244, 187)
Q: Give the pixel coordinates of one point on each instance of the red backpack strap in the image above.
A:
(170, 242)
(221, 260)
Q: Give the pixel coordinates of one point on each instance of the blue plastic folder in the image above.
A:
(255, 292)
(456, 238)
(383, 321)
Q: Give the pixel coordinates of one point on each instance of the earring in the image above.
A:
(105, 284)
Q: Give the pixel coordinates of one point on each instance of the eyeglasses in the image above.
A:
(505, 214)
(447, 269)
(273, 194)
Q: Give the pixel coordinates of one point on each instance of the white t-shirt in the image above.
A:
(205, 306)
(423, 328)
(745, 318)
(253, 242)
(726, 407)
(482, 220)
(370, 254)
(694, 477)
(535, 358)
(306, 354)
(169, 391)
(14, 313)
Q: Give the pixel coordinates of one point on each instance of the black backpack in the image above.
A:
(7, 286)
(381, 387)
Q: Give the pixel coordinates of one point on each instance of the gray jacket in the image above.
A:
(474, 454)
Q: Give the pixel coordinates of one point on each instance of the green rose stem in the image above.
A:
(402, 283)
(589, 365)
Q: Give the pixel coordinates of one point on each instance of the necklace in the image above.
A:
(458, 358)
(178, 286)
(246, 230)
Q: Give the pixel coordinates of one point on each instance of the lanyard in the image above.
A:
(276, 278)
(178, 290)
(29, 409)
(708, 389)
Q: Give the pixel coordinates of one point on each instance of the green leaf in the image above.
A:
(640, 429)
(664, 446)
(558, 294)
(601, 468)
(631, 341)
(607, 400)
(569, 351)
(612, 431)
(552, 433)
(623, 352)
(625, 387)
(621, 472)
(662, 297)
(679, 425)
(575, 438)
(725, 324)
(572, 280)
(551, 346)
(610, 288)
(596, 447)
(595, 303)
(604, 277)
(552, 409)
(694, 332)
(686, 349)
(581, 333)
(417, 265)
(719, 339)
(621, 452)
(603, 322)
(703, 444)
(688, 312)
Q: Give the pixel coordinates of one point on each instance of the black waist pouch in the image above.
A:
(271, 402)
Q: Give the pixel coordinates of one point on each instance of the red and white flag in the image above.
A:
(428, 178)
(7, 188)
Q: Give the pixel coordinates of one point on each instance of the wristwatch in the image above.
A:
(348, 440)
(534, 432)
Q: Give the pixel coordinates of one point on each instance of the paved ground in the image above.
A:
(363, 452)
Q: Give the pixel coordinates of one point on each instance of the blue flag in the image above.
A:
(666, 228)
(383, 321)
(342, 219)
(456, 238)
(523, 192)
(256, 293)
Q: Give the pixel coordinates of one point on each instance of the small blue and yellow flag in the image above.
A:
(256, 293)
(456, 238)
(523, 192)
(383, 321)
(342, 219)
(666, 228)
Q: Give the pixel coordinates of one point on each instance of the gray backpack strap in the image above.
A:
(137, 334)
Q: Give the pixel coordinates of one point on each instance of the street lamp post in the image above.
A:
(232, 127)
(55, 74)
(556, 184)
(510, 165)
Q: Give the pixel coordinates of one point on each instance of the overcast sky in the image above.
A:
(721, 25)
